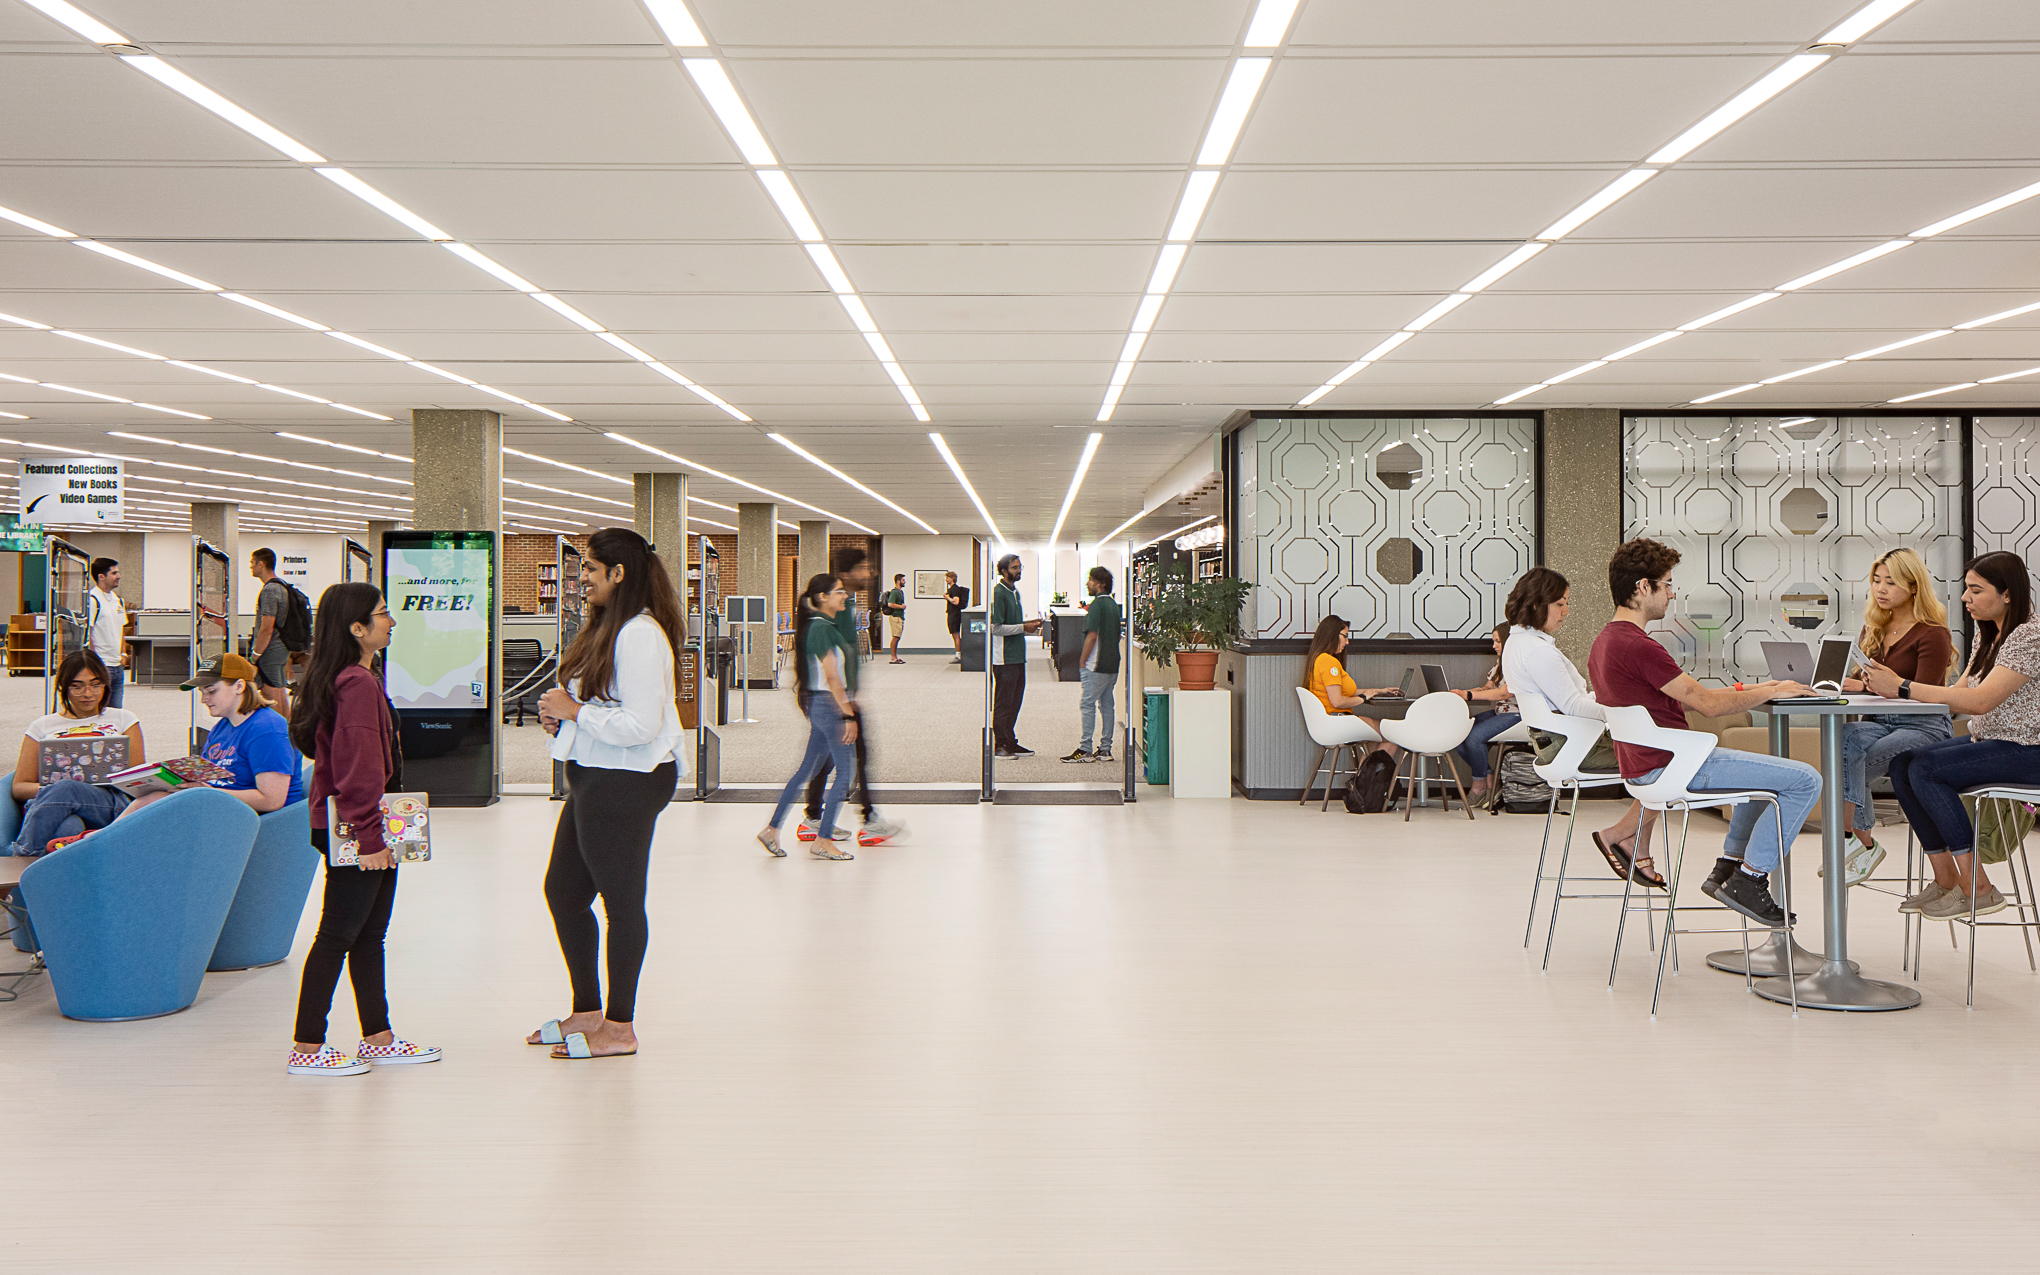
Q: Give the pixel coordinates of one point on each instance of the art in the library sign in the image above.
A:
(82, 489)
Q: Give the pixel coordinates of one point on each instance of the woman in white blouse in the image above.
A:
(616, 727)
(1531, 661)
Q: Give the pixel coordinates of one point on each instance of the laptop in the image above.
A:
(86, 758)
(1401, 692)
(1789, 662)
(1792, 662)
(1435, 679)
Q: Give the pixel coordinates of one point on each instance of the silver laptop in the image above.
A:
(1824, 677)
(1399, 693)
(1789, 662)
(1435, 679)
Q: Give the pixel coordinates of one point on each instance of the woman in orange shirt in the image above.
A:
(1326, 675)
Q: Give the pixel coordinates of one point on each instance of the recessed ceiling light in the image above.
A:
(1233, 105)
(1437, 312)
(1504, 266)
(1793, 70)
(676, 24)
(778, 185)
(560, 307)
(1190, 209)
(78, 20)
(178, 82)
(119, 255)
(1846, 263)
(370, 195)
(43, 227)
(714, 83)
(628, 441)
(495, 268)
(1864, 20)
(949, 458)
(1726, 311)
(1270, 24)
(1981, 210)
(819, 463)
(271, 310)
(1077, 480)
(1597, 203)
(1167, 263)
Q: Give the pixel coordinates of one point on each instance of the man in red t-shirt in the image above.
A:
(1628, 667)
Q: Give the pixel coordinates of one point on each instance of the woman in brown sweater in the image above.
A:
(1905, 628)
(344, 723)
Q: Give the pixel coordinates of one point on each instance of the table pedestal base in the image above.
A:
(1834, 986)
(1767, 959)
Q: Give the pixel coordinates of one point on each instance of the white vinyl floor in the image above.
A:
(1170, 1037)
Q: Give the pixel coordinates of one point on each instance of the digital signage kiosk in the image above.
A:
(440, 669)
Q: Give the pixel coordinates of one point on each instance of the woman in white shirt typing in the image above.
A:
(616, 727)
(1531, 661)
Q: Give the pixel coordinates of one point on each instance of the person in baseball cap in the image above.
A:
(224, 668)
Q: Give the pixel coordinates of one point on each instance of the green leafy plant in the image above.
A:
(1059, 599)
(1181, 614)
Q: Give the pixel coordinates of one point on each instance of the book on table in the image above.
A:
(169, 775)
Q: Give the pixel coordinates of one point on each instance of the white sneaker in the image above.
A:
(1859, 860)
(327, 1062)
(878, 830)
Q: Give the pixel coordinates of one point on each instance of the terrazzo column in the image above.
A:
(814, 551)
(458, 469)
(661, 506)
(1583, 515)
(758, 576)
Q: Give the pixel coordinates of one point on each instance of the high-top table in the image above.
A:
(1836, 983)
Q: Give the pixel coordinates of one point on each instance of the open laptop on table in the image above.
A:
(1400, 694)
(1792, 662)
(1435, 679)
(86, 758)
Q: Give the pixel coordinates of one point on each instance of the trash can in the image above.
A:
(1154, 733)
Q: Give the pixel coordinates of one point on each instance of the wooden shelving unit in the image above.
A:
(27, 643)
(549, 590)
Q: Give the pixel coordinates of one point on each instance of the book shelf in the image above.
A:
(549, 590)
(27, 643)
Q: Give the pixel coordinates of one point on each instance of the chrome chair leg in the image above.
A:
(1671, 904)
(1558, 890)
(1544, 848)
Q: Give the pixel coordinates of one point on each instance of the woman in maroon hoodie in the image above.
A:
(343, 722)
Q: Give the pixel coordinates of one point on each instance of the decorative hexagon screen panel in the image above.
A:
(1778, 521)
(1456, 513)
(2007, 485)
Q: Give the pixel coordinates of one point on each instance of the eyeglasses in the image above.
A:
(85, 683)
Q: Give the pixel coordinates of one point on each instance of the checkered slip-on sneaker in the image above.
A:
(326, 1062)
(398, 1051)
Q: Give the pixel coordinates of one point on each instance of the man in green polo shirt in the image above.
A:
(1007, 619)
(894, 603)
(1100, 665)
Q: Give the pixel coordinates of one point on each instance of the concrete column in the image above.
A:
(376, 529)
(1583, 515)
(758, 575)
(814, 551)
(458, 469)
(218, 523)
(661, 501)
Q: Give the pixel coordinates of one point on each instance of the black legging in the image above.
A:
(353, 918)
(603, 845)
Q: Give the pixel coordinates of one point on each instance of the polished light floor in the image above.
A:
(1176, 1036)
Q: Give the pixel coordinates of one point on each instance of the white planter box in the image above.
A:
(1200, 744)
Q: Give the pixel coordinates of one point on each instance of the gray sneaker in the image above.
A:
(1954, 905)
(1927, 895)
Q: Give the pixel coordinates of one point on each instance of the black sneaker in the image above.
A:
(1079, 755)
(1003, 753)
(1751, 896)
(1103, 754)
(1711, 887)
(1020, 750)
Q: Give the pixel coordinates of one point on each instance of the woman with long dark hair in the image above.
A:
(344, 723)
(614, 723)
(1325, 676)
(2003, 746)
(69, 808)
(832, 715)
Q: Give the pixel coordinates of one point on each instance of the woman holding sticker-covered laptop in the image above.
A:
(614, 724)
(343, 721)
(2002, 688)
(1905, 628)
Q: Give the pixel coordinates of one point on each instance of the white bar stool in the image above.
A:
(1434, 726)
(1333, 735)
(2023, 897)
(1563, 774)
(1669, 791)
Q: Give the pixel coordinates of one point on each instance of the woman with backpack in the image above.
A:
(614, 723)
(832, 716)
(345, 724)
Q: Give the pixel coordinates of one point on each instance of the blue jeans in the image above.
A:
(1753, 828)
(825, 742)
(1097, 693)
(1929, 782)
(116, 684)
(63, 809)
(1868, 747)
(1485, 727)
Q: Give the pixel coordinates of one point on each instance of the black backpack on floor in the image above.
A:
(1522, 792)
(1367, 791)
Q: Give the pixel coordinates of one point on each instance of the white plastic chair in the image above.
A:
(1435, 726)
(1333, 735)
(1670, 791)
(1562, 774)
(2022, 896)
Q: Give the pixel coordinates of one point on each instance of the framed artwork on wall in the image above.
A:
(930, 585)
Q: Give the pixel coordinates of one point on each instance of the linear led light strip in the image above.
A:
(949, 459)
(104, 398)
(1268, 28)
(628, 441)
(712, 78)
(44, 227)
(612, 478)
(1077, 479)
(178, 82)
(819, 463)
(1167, 535)
(1793, 285)
(1883, 349)
(189, 367)
(1780, 78)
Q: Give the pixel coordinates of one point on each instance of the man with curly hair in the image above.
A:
(1629, 667)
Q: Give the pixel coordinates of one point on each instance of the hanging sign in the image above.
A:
(86, 489)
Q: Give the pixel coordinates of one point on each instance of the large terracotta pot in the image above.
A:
(1196, 670)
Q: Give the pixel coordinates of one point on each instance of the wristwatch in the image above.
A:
(1905, 689)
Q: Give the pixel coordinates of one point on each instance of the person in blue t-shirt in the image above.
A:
(250, 738)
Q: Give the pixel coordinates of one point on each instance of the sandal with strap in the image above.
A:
(1618, 862)
(549, 1034)
(577, 1048)
(1643, 872)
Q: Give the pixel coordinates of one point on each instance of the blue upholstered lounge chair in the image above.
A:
(271, 899)
(10, 828)
(129, 917)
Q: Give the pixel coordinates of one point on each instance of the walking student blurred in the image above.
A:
(853, 569)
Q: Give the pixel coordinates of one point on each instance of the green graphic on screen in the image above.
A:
(439, 654)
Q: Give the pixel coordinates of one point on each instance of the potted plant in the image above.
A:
(1059, 599)
(1188, 622)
